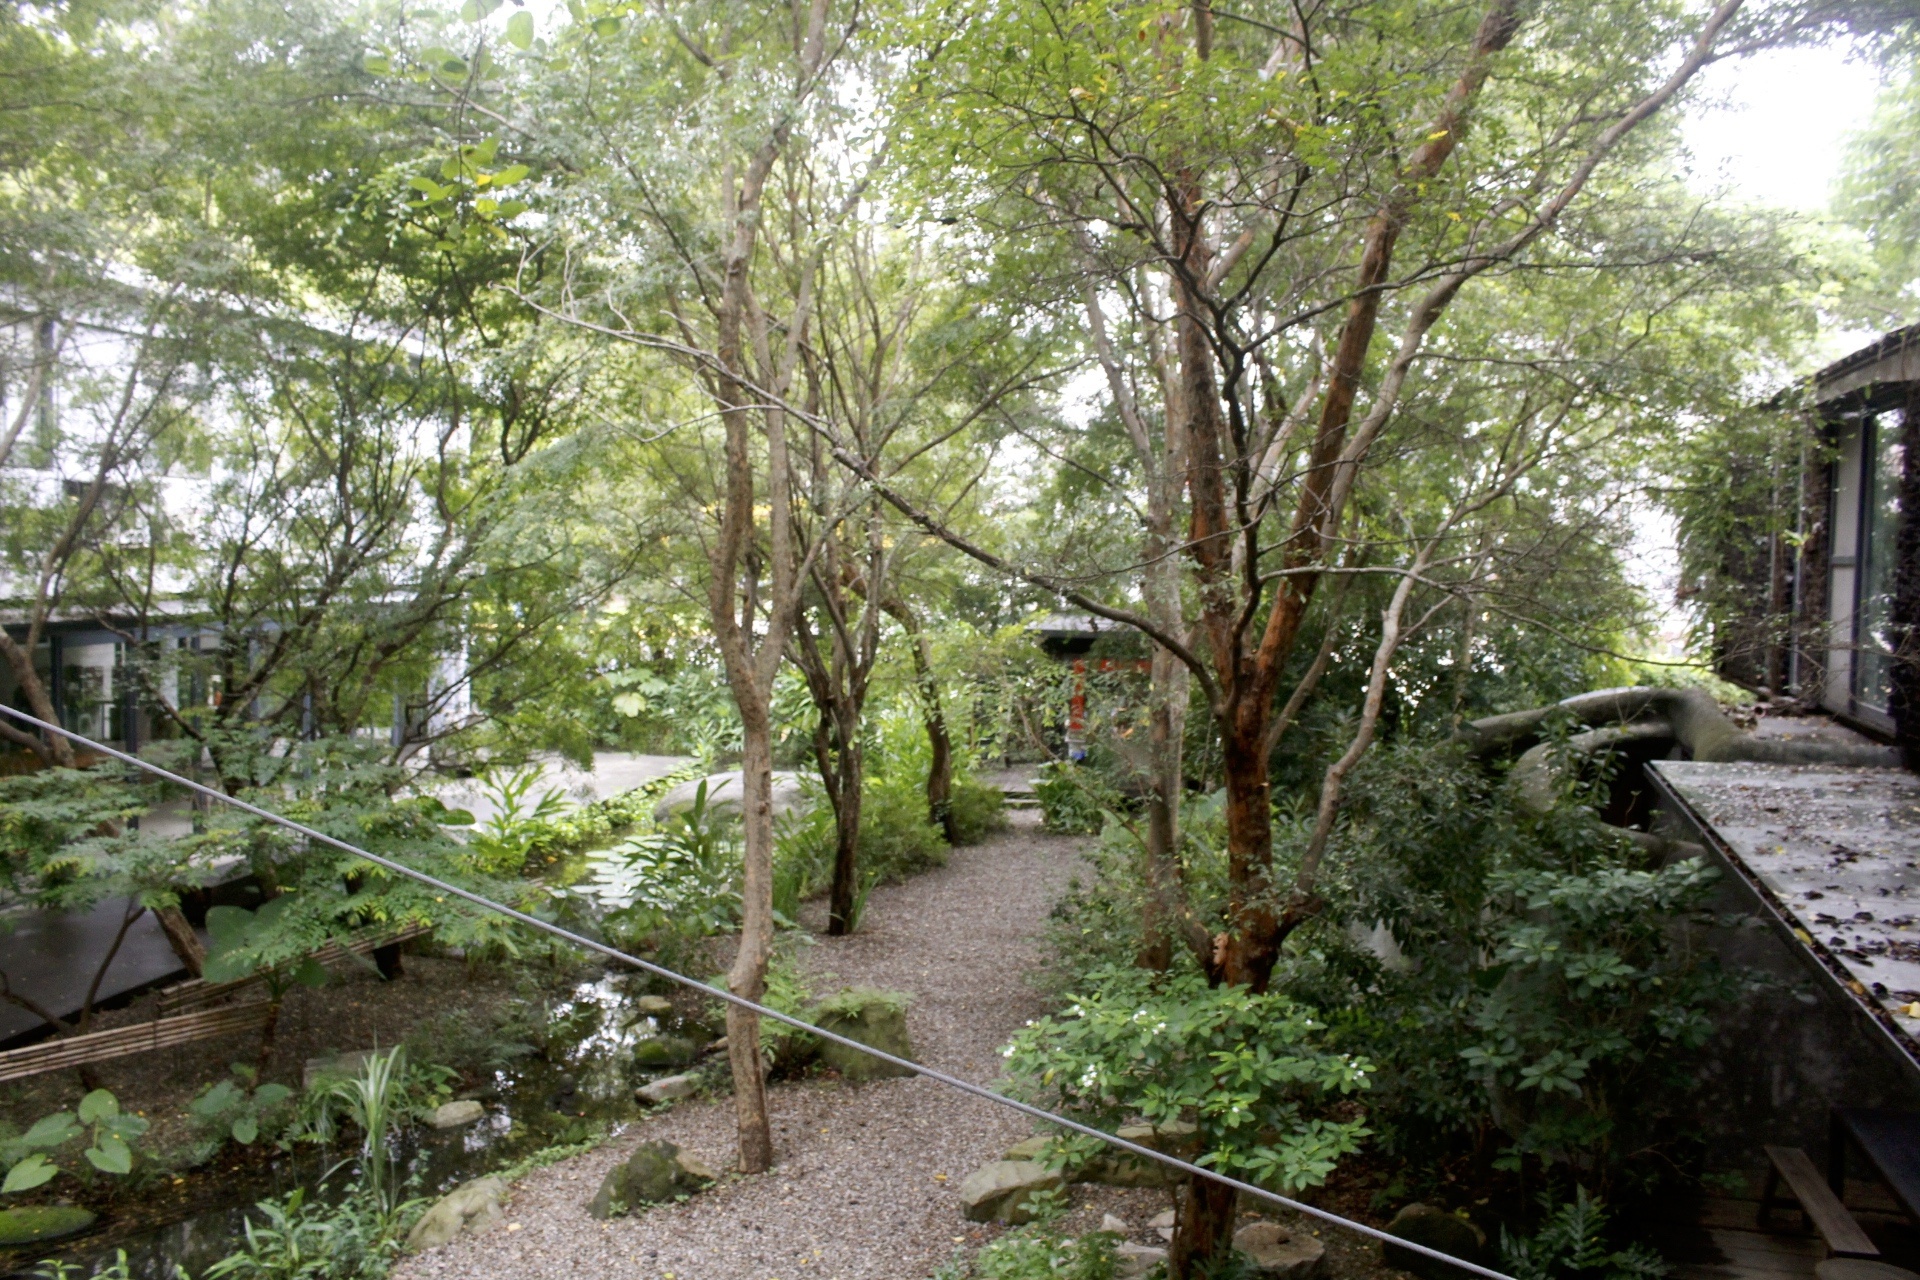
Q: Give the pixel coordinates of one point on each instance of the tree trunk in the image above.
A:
(1202, 1228)
(848, 769)
(181, 937)
(748, 976)
(939, 741)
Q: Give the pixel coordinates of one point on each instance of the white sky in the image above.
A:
(1769, 129)
(1772, 127)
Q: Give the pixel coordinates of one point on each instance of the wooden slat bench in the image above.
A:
(1818, 1204)
(120, 1042)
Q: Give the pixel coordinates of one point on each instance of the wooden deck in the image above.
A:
(1725, 1243)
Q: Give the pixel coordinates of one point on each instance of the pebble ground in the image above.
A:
(865, 1177)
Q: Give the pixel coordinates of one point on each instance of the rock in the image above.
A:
(998, 1190)
(654, 1006)
(470, 1207)
(667, 1088)
(30, 1224)
(655, 1172)
(1028, 1148)
(1277, 1253)
(696, 1168)
(1436, 1229)
(454, 1114)
(665, 1051)
(877, 1018)
(723, 795)
(1123, 1169)
(1162, 1221)
(1118, 1226)
(1136, 1260)
(335, 1066)
(1176, 1137)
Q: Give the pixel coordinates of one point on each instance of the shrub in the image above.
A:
(236, 1109)
(1072, 800)
(896, 840)
(1572, 1242)
(1248, 1070)
(109, 1134)
(978, 810)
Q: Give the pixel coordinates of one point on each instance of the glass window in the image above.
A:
(1880, 522)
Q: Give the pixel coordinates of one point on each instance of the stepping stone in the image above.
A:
(667, 1088)
(1277, 1253)
(1136, 1260)
(454, 1114)
(998, 1191)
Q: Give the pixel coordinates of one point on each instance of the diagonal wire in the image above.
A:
(647, 966)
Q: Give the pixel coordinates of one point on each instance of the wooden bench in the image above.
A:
(1818, 1203)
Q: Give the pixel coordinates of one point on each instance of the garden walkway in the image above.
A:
(865, 1176)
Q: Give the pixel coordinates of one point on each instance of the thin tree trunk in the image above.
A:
(1203, 1226)
(847, 771)
(748, 976)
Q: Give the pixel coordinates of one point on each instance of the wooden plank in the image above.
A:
(120, 1042)
(1829, 1217)
(198, 992)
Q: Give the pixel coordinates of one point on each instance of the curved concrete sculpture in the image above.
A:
(723, 795)
(1689, 717)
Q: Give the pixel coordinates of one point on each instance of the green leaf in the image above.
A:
(377, 64)
(268, 1096)
(216, 1100)
(453, 67)
(97, 1106)
(245, 1130)
(51, 1131)
(510, 209)
(606, 26)
(520, 30)
(34, 1171)
(112, 1155)
(310, 973)
(510, 175)
(228, 927)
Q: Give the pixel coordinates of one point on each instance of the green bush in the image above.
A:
(1252, 1072)
(978, 810)
(1072, 800)
(896, 840)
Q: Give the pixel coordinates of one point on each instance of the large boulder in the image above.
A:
(31, 1224)
(871, 1017)
(665, 1051)
(1001, 1190)
(1278, 1253)
(655, 1172)
(723, 795)
(470, 1207)
(1436, 1229)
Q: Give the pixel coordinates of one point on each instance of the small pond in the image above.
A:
(579, 1085)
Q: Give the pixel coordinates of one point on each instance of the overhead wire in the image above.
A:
(720, 993)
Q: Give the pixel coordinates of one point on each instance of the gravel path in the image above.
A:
(863, 1184)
